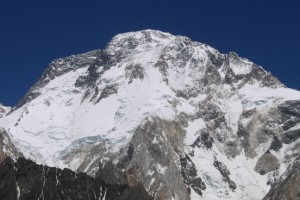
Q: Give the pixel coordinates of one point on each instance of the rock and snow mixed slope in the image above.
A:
(3, 110)
(174, 115)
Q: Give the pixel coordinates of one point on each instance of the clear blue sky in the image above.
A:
(34, 32)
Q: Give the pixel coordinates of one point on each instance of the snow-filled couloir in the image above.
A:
(174, 115)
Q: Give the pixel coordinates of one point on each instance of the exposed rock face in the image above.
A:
(225, 173)
(204, 140)
(154, 159)
(151, 159)
(107, 91)
(287, 188)
(3, 110)
(161, 113)
(7, 148)
(190, 176)
(25, 180)
(267, 163)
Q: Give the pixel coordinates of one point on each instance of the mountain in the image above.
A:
(162, 114)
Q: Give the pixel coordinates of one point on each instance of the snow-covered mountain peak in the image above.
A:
(142, 37)
(157, 108)
(197, 64)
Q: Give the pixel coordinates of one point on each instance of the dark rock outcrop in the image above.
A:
(225, 173)
(276, 144)
(286, 189)
(267, 163)
(134, 72)
(26, 180)
(3, 110)
(205, 139)
(7, 148)
(107, 91)
(190, 176)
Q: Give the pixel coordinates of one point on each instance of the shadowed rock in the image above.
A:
(27, 180)
(225, 173)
